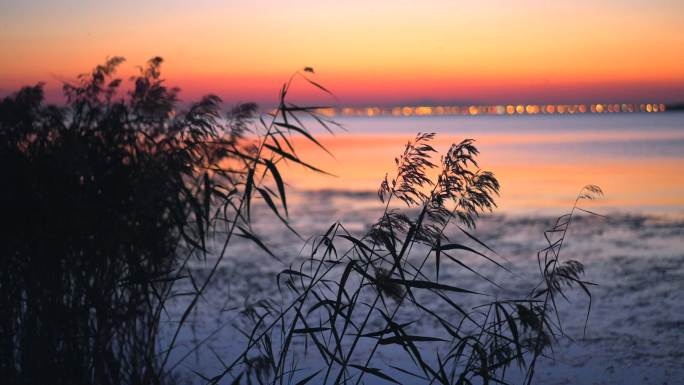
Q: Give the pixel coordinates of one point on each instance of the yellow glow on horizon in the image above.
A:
(475, 110)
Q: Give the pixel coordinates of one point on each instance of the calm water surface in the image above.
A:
(541, 161)
(634, 334)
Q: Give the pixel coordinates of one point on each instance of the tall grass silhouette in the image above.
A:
(108, 199)
(112, 196)
(333, 302)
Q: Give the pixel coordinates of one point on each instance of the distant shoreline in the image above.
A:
(499, 109)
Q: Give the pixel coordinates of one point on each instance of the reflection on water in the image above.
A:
(541, 161)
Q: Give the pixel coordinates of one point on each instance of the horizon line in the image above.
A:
(499, 109)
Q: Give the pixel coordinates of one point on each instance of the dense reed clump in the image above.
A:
(106, 199)
(358, 298)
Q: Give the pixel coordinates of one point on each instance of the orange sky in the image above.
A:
(367, 52)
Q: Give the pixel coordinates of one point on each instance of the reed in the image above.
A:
(112, 196)
(333, 301)
(108, 199)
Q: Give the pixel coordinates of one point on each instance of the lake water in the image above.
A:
(541, 161)
(635, 331)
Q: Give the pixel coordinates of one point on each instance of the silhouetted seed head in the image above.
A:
(590, 192)
(567, 273)
(241, 117)
(528, 318)
(411, 176)
(386, 286)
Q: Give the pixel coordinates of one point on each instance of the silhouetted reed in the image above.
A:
(332, 301)
(106, 200)
(110, 197)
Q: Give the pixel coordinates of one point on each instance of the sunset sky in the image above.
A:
(367, 52)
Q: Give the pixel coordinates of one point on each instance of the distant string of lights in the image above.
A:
(510, 109)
